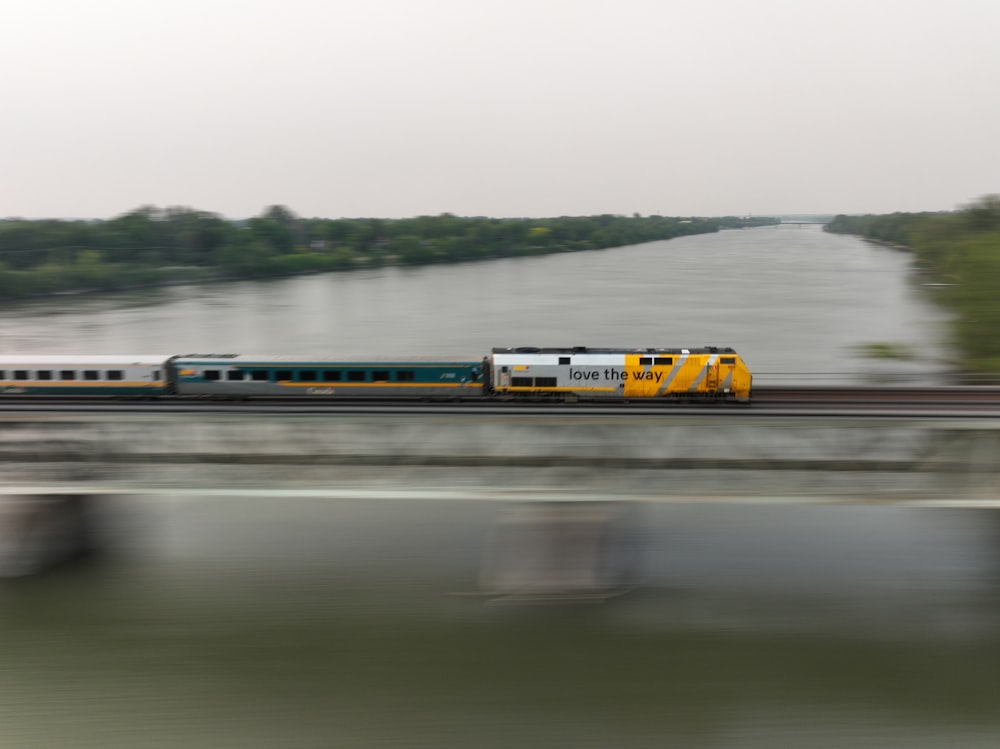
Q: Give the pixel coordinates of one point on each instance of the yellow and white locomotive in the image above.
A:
(708, 373)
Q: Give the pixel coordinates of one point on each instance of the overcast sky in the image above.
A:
(396, 108)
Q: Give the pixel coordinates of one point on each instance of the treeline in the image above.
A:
(891, 228)
(962, 251)
(151, 246)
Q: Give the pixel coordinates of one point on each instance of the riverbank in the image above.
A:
(961, 250)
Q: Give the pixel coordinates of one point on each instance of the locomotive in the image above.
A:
(708, 373)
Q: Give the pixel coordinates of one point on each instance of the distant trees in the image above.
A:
(892, 228)
(150, 245)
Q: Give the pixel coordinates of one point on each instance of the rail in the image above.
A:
(958, 401)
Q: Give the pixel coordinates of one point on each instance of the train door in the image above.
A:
(712, 377)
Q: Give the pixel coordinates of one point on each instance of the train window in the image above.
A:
(283, 374)
(115, 374)
(67, 374)
(3, 375)
(331, 375)
(91, 374)
(406, 375)
(212, 375)
(521, 382)
(20, 374)
(156, 374)
(307, 375)
(564, 360)
(645, 360)
(44, 374)
(663, 360)
(380, 375)
(235, 374)
(503, 370)
(356, 375)
(545, 382)
(728, 360)
(259, 375)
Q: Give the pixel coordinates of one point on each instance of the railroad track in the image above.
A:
(957, 401)
(860, 397)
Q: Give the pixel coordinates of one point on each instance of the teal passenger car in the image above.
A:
(243, 375)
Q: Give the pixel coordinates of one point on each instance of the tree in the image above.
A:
(276, 228)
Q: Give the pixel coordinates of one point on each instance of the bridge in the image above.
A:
(565, 478)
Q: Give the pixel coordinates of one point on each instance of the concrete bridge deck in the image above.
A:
(676, 456)
(50, 466)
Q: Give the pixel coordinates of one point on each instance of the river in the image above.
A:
(222, 622)
(796, 302)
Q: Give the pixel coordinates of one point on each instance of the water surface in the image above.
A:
(795, 301)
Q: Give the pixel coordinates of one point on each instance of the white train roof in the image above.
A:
(97, 360)
(322, 359)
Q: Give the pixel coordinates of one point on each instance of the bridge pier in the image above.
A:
(561, 551)
(40, 532)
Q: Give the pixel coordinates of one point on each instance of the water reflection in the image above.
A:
(245, 623)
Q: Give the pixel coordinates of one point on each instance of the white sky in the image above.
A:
(396, 108)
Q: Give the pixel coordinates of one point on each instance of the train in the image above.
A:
(708, 373)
